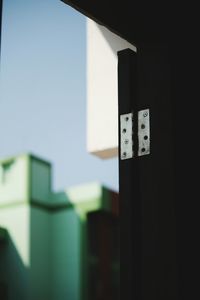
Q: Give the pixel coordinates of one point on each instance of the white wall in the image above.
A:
(102, 89)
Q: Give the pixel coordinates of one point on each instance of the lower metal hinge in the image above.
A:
(128, 137)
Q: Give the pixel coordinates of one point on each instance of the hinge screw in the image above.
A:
(145, 114)
(124, 154)
(126, 142)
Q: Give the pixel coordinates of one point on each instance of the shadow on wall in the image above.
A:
(13, 273)
(74, 256)
(70, 258)
(48, 256)
(56, 263)
(114, 41)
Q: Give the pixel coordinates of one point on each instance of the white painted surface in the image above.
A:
(102, 89)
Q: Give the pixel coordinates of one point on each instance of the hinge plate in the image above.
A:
(142, 139)
(143, 132)
(126, 135)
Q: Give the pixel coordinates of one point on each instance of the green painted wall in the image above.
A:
(66, 281)
(14, 255)
(46, 254)
(3, 236)
(40, 178)
(14, 179)
(40, 254)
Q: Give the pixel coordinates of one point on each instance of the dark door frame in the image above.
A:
(148, 226)
(164, 233)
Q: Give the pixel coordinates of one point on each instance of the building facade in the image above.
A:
(60, 245)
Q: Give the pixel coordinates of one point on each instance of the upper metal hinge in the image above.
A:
(126, 129)
(128, 137)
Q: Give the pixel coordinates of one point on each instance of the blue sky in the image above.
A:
(43, 91)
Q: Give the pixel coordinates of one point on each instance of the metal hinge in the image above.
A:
(128, 137)
(126, 128)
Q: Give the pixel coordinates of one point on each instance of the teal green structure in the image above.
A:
(43, 234)
(3, 235)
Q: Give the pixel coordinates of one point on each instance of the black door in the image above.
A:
(159, 192)
(148, 223)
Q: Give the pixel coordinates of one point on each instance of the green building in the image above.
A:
(55, 245)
